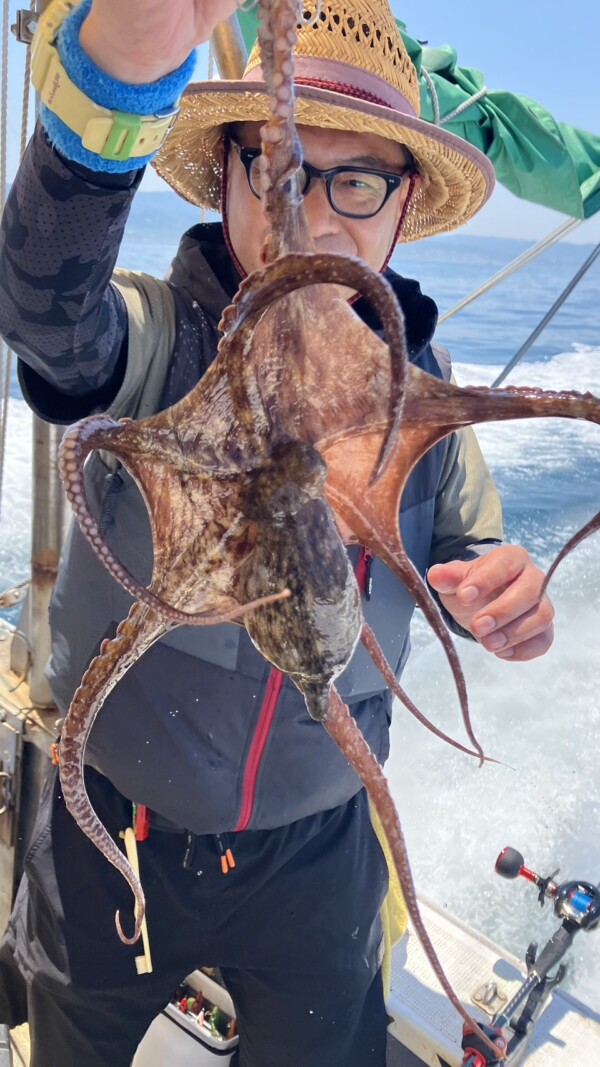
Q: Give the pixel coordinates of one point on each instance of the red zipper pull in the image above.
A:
(141, 822)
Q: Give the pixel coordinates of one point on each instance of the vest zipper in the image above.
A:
(257, 747)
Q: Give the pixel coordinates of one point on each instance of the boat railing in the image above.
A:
(558, 303)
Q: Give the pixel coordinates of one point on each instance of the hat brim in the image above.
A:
(456, 178)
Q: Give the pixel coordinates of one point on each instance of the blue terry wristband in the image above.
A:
(107, 92)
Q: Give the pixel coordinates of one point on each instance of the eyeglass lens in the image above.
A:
(352, 192)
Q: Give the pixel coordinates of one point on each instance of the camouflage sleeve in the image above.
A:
(59, 240)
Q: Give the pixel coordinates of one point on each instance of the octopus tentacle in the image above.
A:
(438, 408)
(372, 645)
(432, 410)
(281, 155)
(590, 527)
(134, 635)
(342, 728)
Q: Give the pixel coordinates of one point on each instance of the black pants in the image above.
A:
(294, 928)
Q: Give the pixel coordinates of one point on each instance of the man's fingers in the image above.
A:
(528, 650)
(514, 603)
(536, 622)
(492, 573)
(447, 577)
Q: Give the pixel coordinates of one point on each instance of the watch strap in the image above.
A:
(110, 135)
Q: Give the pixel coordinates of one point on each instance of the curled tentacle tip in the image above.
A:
(137, 929)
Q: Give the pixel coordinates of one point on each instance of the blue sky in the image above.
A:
(545, 49)
(542, 48)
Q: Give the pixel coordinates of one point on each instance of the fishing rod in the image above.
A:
(577, 905)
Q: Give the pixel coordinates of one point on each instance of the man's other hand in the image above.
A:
(497, 598)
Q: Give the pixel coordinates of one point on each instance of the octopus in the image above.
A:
(250, 478)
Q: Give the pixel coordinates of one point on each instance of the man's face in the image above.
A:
(369, 239)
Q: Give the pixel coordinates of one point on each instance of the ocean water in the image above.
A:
(542, 719)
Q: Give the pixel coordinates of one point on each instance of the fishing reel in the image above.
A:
(574, 902)
(577, 905)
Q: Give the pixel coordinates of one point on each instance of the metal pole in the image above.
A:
(229, 49)
(47, 517)
(547, 317)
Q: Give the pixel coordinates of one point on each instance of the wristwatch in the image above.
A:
(113, 135)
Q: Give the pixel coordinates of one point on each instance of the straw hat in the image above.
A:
(352, 73)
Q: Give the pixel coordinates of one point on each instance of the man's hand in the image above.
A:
(139, 41)
(497, 598)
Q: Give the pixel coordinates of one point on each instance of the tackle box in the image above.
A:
(192, 1038)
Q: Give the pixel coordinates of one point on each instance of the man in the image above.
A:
(194, 731)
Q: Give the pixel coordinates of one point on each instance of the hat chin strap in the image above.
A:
(227, 235)
(411, 188)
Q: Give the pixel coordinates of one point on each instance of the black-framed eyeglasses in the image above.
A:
(355, 192)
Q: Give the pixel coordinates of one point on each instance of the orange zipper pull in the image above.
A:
(226, 855)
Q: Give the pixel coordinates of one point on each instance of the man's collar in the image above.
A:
(204, 267)
(420, 312)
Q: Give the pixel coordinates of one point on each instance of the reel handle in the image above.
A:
(510, 863)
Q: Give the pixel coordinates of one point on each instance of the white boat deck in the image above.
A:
(567, 1032)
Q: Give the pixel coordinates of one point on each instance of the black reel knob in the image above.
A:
(509, 863)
